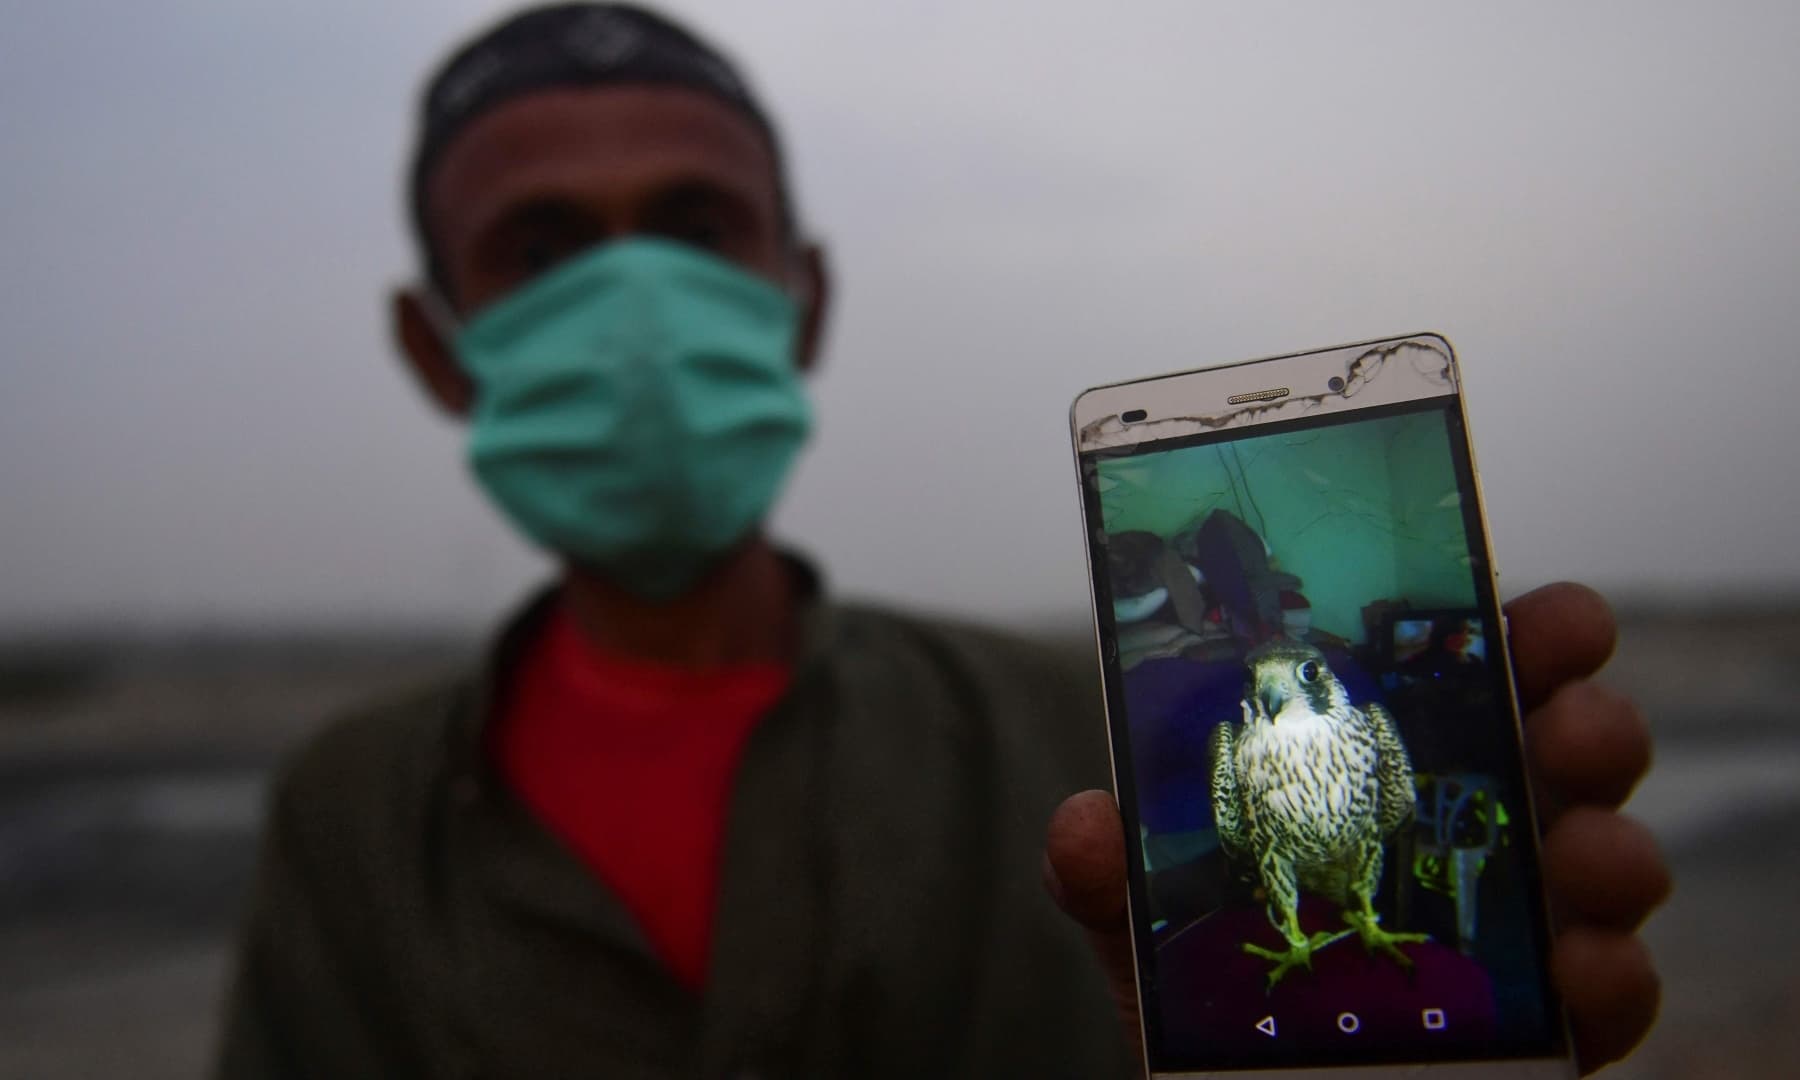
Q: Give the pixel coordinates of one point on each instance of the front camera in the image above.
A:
(1335, 385)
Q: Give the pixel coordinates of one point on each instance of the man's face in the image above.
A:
(551, 174)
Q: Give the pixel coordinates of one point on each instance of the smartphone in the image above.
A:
(1315, 735)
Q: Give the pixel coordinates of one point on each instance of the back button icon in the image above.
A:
(1267, 1026)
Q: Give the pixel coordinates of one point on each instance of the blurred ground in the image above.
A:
(132, 774)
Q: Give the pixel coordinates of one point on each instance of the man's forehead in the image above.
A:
(617, 136)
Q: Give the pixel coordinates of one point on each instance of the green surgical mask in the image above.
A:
(637, 409)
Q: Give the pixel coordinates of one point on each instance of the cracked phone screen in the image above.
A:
(1314, 737)
(1379, 374)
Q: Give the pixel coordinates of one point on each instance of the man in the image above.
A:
(692, 818)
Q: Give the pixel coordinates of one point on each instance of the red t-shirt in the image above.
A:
(630, 763)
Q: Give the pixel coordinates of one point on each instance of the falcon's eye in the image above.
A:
(1309, 671)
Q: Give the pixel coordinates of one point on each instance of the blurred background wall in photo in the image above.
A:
(225, 514)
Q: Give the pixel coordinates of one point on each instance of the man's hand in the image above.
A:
(1586, 746)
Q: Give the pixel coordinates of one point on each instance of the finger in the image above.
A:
(1085, 860)
(1610, 985)
(1084, 869)
(1558, 633)
(1604, 869)
(1588, 745)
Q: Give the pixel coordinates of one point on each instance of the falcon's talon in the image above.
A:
(1297, 954)
(1375, 939)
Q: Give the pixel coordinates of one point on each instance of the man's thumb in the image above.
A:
(1084, 871)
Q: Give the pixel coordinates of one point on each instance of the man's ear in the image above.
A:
(429, 355)
(816, 281)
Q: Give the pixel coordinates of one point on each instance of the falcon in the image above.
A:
(1308, 788)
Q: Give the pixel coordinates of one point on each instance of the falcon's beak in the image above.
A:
(1270, 695)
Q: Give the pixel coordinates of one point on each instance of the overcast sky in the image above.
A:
(202, 422)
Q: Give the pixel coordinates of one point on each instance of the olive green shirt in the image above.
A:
(880, 909)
